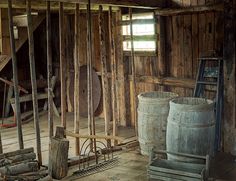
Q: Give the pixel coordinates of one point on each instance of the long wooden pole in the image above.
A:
(15, 76)
(114, 69)
(76, 79)
(62, 64)
(49, 70)
(33, 80)
(105, 83)
(91, 121)
(134, 112)
(68, 133)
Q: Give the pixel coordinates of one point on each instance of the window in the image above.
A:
(143, 32)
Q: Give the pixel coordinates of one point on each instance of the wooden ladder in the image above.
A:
(217, 80)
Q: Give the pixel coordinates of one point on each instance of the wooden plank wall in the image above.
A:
(189, 37)
(4, 36)
(69, 33)
(144, 65)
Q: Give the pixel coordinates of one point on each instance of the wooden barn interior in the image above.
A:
(117, 90)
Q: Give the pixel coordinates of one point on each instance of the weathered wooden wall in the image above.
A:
(190, 36)
(187, 38)
(69, 50)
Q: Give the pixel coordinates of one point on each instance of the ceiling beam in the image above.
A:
(190, 10)
(148, 4)
(41, 5)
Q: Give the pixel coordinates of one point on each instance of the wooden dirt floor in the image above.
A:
(131, 165)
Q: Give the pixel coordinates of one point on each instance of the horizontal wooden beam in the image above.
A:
(150, 4)
(137, 21)
(140, 38)
(141, 53)
(169, 81)
(69, 133)
(40, 5)
(190, 10)
(26, 98)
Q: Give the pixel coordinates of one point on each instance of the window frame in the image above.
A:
(139, 19)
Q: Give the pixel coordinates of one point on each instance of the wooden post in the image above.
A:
(62, 65)
(33, 80)
(229, 55)
(120, 73)
(91, 121)
(9, 96)
(3, 111)
(114, 69)
(15, 77)
(160, 48)
(105, 83)
(58, 155)
(1, 150)
(49, 70)
(76, 79)
(134, 111)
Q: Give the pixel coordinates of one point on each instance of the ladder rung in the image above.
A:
(207, 82)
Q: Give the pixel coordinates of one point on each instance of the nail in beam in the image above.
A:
(134, 112)
(76, 79)
(49, 69)
(62, 65)
(91, 121)
(113, 67)
(15, 76)
(33, 80)
(105, 83)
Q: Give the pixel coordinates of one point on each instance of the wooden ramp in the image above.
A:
(4, 59)
(23, 37)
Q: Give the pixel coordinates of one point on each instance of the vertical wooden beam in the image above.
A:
(68, 48)
(49, 69)
(187, 46)
(91, 121)
(120, 73)
(195, 41)
(160, 48)
(15, 76)
(229, 55)
(134, 111)
(105, 83)
(62, 64)
(76, 79)
(9, 96)
(89, 61)
(114, 72)
(33, 80)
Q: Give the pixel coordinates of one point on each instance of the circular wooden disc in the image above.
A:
(83, 91)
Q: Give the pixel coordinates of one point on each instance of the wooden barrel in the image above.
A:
(190, 127)
(153, 110)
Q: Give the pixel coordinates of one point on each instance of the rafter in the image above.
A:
(40, 5)
(149, 4)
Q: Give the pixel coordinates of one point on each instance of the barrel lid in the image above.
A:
(191, 104)
(156, 96)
